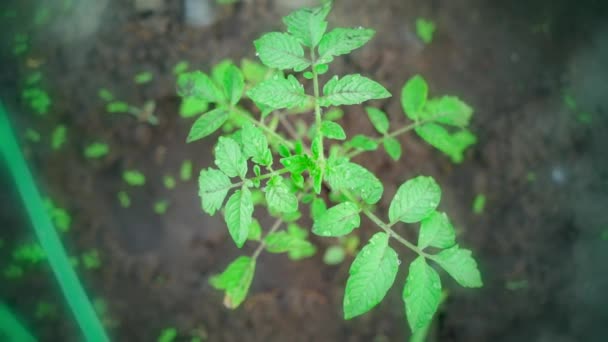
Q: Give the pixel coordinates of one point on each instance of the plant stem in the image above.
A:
(318, 119)
(257, 178)
(385, 226)
(262, 244)
(393, 134)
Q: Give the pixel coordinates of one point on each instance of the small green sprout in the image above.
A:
(13, 271)
(334, 255)
(96, 150)
(32, 135)
(167, 335)
(134, 178)
(181, 67)
(106, 95)
(29, 252)
(185, 172)
(143, 77)
(38, 99)
(479, 204)
(91, 260)
(123, 199)
(58, 137)
(570, 102)
(118, 107)
(169, 182)
(160, 207)
(425, 29)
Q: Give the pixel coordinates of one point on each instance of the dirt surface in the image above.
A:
(544, 172)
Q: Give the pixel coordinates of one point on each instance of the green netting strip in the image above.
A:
(11, 328)
(50, 242)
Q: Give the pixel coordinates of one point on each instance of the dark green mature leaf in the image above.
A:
(392, 148)
(279, 92)
(356, 179)
(448, 110)
(460, 265)
(333, 130)
(378, 119)
(415, 199)
(453, 145)
(207, 124)
(351, 89)
(436, 231)
(341, 41)
(198, 84)
(256, 145)
(234, 83)
(281, 242)
(239, 215)
(361, 142)
(281, 51)
(279, 196)
(213, 187)
(338, 220)
(235, 280)
(308, 24)
(229, 158)
(413, 96)
(421, 294)
(370, 276)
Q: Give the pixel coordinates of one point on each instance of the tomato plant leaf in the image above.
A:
(235, 280)
(281, 51)
(421, 294)
(351, 89)
(415, 199)
(238, 215)
(460, 265)
(338, 220)
(229, 158)
(207, 124)
(341, 41)
(213, 187)
(436, 231)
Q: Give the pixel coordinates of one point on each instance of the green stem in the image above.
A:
(257, 178)
(318, 118)
(262, 244)
(385, 226)
(398, 132)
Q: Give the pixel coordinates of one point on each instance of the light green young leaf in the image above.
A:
(213, 187)
(338, 220)
(207, 124)
(361, 142)
(281, 242)
(378, 119)
(256, 145)
(356, 179)
(415, 200)
(425, 30)
(134, 178)
(238, 215)
(448, 110)
(281, 51)
(234, 83)
(370, 276)
(317, 208)
(453, 145)
(351, 89)
(413, 96)
(334, 255)
(235, 280)
(421, 294)
(279, 196)
(298, 163)
(254, 72)
(229, 158)
(332, 130)
(278, 93)
(392, 148)
(460, 265)
(96, 150)
(218, 72)
(479, 204)
(58, 137)
(341, 41)
(308, 24)
(192, 106)
(198, 84)
(185, 170)
(436, 231)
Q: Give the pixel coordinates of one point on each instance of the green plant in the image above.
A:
(134, 178)
(479, 204)
(313, 166)
(145, 113)
(425, 29)
(96, 150)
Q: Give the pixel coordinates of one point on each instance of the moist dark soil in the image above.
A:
(544, 171)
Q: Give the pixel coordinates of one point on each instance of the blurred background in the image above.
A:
(530, 198)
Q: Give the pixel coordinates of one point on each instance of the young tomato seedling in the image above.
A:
(257, 165)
